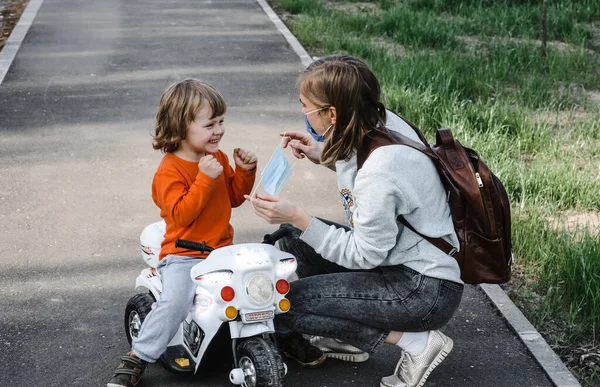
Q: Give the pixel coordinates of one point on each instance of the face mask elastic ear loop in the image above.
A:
(261, 176)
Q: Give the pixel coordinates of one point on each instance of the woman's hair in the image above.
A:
(178, 107)
(347, 84)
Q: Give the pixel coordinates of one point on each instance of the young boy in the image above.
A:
(195, 189)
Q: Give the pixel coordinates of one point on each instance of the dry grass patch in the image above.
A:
(351, 8)
(476, 43)
(575, 223)
(471, 43)
(392, 48)
(594, 97)
(595, 38)
(563, 120)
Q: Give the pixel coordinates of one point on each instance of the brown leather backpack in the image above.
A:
(478, 203)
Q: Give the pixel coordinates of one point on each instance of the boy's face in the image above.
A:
(204, 134)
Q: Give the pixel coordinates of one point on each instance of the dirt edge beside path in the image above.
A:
(10, 13)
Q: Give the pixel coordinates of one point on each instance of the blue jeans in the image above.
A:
(361, 307)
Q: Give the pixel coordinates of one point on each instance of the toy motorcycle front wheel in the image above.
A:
(138, 308)
(136, 311)
(261, 363)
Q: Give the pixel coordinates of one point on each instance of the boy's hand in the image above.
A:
(245, 159)
(210, 166)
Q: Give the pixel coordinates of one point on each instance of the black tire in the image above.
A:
(264, 359)
(136, 311)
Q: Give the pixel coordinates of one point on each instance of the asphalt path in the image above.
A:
(76, 164)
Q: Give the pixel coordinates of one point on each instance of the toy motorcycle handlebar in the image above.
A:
(191, 245)
(202, 247)
(274, 237)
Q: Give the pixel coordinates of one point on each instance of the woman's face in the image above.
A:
(316, 115)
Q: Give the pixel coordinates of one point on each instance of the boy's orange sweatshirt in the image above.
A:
(196, 207)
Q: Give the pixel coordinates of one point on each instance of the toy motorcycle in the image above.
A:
(242, 285)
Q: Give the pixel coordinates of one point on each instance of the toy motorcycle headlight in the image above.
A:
(259, 289)
(215, 277)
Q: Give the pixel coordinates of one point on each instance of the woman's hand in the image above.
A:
(303, 145)
(245, 159)
(277, 211)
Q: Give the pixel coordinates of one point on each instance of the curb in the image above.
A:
(287, 34)
(535, 343)
(549, 361)
(14, 41)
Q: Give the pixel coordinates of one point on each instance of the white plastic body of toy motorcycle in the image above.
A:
(243, 285)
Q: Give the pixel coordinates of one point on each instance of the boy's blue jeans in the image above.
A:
(170, 310)
(361, 307)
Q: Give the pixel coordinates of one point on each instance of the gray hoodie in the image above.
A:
(394, 180)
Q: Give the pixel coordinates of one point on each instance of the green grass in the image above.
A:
(566, 20)
(477, 67)
(569, 266)
(438, 58)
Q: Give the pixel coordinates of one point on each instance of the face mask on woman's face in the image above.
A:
(312, 132)
(309, 128)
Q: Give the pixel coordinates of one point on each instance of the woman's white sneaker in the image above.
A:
(413, 370)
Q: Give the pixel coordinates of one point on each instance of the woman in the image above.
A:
(376, 281)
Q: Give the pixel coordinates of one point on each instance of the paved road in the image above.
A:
(76, 113)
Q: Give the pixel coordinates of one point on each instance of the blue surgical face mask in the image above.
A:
(276, 173)
(309, 128)
(312, 132)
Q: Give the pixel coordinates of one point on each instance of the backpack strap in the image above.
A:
(372, 142)
(444, 138)
(437, 242)
(376, 139)
(403, 140)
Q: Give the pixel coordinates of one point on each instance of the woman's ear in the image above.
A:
(332, 114)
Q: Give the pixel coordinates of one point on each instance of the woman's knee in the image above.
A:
(288, 242)
(291, 243)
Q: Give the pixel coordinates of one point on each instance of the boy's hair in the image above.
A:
(178, 107)
(347, 84)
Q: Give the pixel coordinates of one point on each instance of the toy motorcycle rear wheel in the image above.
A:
(136, 311)
(261, 362)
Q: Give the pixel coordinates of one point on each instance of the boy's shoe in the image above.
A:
(128, 373)
(337, 349)
(296, 347)
(412, 371)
